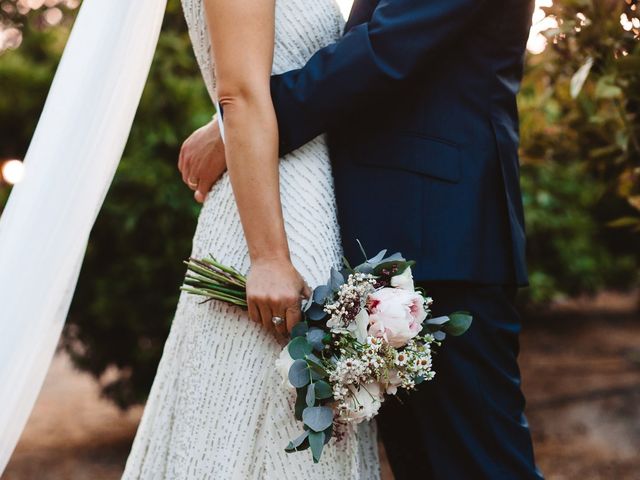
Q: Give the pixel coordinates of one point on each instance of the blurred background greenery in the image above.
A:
(580, 149)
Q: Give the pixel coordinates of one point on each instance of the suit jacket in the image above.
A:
(419, 101)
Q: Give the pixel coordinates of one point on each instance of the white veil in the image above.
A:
(68, 169)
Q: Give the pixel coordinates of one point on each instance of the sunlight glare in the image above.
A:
(13, 171)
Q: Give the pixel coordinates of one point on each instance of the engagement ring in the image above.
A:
(277, 321)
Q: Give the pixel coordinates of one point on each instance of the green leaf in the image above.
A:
(328, 433)
(317, 418)
(299, 330)
(400, 265)
(315, 363)
(299, 374)
(321, 293)
(378, 258)
(315, 337)
(323, 390)
(299, 348)
(316, 442)
(311, 395)
(315, 312)
(605, 88)
(458, 323)
(294, 445)
(337, 279)
(301, 403)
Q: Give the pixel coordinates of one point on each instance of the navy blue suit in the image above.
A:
(419, 101)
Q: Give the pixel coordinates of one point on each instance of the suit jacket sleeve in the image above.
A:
(373, 58)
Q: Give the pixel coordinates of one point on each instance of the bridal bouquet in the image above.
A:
(367, 333)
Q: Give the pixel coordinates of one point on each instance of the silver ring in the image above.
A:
(277, 321)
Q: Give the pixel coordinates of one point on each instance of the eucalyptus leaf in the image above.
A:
(378, 258)
(317, 418)
(323, 390)
(311, 395)
(301, 402)
(299, 348)
(439, 335)
(347, 265)
(299, 375)
(395, 257)
(328, 433)
(315, 312)
(316, 442)
(364, 268)
(321, 293)
(337, 280)
(299, 330)
(458, 323)
(312, 358)
(315, 365)
(297, 442)
(315, 337)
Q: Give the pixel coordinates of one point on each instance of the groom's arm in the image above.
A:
(373, 58)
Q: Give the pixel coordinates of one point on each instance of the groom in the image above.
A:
(418, 99)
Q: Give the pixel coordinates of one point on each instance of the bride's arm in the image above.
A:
(242, 38)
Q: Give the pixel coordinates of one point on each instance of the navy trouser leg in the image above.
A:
(468, 423)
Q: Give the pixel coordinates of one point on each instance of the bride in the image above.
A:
(217, 408)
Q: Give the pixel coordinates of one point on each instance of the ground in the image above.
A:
(581, 375)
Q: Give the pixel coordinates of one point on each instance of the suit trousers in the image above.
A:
(467, 423)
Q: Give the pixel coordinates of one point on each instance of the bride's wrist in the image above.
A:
(280, 255)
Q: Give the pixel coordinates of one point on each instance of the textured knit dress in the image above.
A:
(218, 408)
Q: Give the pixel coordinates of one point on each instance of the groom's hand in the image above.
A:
(202, 160)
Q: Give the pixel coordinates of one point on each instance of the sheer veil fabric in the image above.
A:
(69, 166)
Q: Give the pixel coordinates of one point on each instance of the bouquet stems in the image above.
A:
(209, 278)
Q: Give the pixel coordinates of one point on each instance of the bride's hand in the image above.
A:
(202, 159)
(275, 289)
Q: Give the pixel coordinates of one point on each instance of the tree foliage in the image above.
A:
(580, 152)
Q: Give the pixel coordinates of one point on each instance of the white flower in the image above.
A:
(283, 364)
(401, 358)
(404, 280)
(358, 328)
(363, 403)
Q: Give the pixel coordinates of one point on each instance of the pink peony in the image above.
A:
(396, 315)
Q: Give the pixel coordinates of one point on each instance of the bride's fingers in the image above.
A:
(267, 317)
(293, 317)
(204, 187)
(199, 196)
(254, 313)
(306, 291)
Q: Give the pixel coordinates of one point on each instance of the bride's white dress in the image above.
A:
(217, 408)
